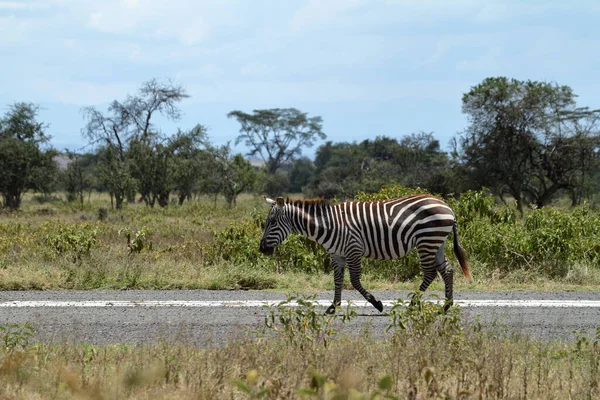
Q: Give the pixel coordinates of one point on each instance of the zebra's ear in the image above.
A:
(270, 201)
(280, 202)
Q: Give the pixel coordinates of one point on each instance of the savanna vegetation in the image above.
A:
(201, 244)
(145, 209)
(301, 353)
(523, 179)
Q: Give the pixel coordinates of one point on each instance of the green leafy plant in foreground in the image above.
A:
(16, 336)
(302, 321)
(419, 318)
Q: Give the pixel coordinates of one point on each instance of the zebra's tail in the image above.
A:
(460, 255)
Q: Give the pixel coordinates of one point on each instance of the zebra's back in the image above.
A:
(389, 229)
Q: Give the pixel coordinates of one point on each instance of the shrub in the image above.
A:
(239, 243)
(390, 192)
(74, 240)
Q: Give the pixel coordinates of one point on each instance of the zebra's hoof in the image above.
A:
(447, 305)
(378, 305)
(331, 309)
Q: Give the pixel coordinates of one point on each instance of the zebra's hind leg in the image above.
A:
(339, 265)
(354, 267)
(432, 263)
(447, 274)
(428, 265)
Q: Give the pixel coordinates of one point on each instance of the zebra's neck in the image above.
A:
(311, 218)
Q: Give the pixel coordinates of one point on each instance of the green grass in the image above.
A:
(203, 244)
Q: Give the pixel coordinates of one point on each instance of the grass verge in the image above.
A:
(299, 353)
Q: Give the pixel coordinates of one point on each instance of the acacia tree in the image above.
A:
(518, 143)
(24, 164)
(131, 122)
(277, 135)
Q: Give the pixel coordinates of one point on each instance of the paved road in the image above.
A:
(201, 316)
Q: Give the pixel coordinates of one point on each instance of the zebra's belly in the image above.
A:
(392, 254)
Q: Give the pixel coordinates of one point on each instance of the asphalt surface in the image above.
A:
(200, 325)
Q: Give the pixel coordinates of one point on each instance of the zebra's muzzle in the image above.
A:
(266, 250)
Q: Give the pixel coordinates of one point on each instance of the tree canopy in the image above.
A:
(277, 135)
(526, 139)
(24, 163)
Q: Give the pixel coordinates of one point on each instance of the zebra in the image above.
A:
(381, 230)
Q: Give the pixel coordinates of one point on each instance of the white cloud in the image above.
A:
(189, 22)
(79, 93)
(256, 68)
(320, 12)
(489, 62)
(28, 5)
(285, 93)
(13, 30)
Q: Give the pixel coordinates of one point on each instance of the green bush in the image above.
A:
(546, 241)
(75, 240)
(239, 244)
(390, 192)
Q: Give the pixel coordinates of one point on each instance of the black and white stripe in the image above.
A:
(382, 230)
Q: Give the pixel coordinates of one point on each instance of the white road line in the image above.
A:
(263, 303)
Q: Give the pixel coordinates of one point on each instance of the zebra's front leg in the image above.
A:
(354, 267)
(339, 265)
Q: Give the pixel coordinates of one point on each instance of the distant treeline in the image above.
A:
(525, 140)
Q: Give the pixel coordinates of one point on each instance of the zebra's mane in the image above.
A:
(300, 203)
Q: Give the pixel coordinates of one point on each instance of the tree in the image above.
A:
(344, 169)
(131, 122)
(339, 170)
(132, 119)
(114, 174)
(230, 174)
(579, 130)
(189, 161)
(302, 171)
(24, 164)
(519, 141)
(150, 164)
(277, 135)
(76, 178)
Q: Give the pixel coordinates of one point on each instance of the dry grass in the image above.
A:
(440, 358)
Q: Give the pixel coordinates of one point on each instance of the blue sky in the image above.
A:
(367, 67)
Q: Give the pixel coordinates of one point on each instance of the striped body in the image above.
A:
(381, 230)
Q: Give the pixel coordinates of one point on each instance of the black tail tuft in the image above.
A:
(460, 255)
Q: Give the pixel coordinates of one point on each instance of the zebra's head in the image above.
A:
(277, 227)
